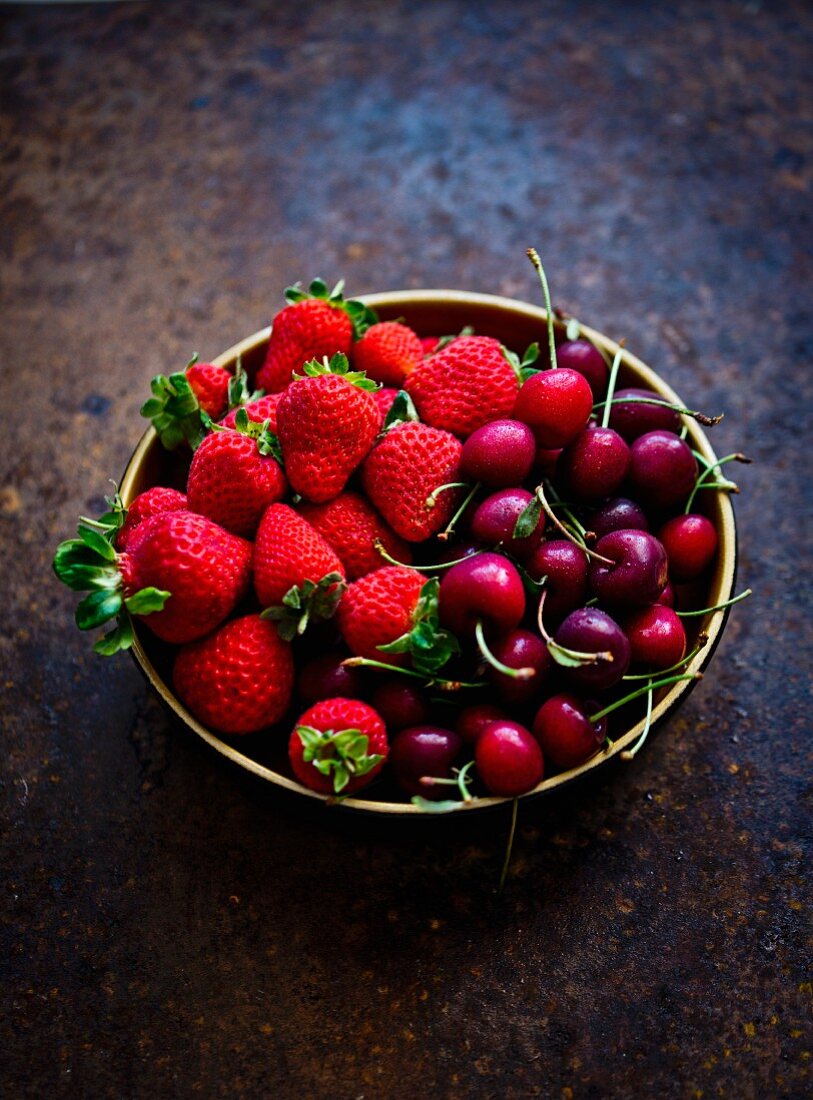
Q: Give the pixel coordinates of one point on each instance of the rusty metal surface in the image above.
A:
(168, 928)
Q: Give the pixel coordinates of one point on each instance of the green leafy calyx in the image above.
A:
(305, 603)
(174, 410)
(341, 755)
(360, 314)
(428, 646)
(340, 366)
(267, 441)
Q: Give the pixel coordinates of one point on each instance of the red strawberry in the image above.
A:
(181, 573)
(298, 577)
(338, 746)
(315, 324)
(210, 384)
(238, 679)
(259, 410)
(152, 502)
(352, 526)
(429, 344)
(402, 472)
(233, 478)
(388, 352)
(327, 423)
(384, 399)
(464, 385)
(178, 400)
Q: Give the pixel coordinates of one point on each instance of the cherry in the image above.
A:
(508, 759)
(656, 636)
(494, 521)
(325, 677)
(486, 588)
(420, 752)
(632, 419)
(400, 704)
(595, 464)
(663, 469)
(499, 454)
(590, 630)
(619, 514)
(520, 649)
(565, 567)
(667, 597)
(473, 720)
(547, 461)
(582, 356)
(564, 731)
(639, 574)
(556, 405)
(690, 542)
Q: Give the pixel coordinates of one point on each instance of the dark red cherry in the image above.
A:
(656, 636)
(595, 464)
(520, 649)
(691, 544)
(632, 419)
(667, 597)
(563, 729)
(590, 630)
(499, 455)
(508, 759)
(618, 514)
(639, 574)
(424, 752)
(556, 405)
(325, 677)
(581, 356)
(663, 469)
(400, 704)
(565, 566)
(494, 521)
(484, 588)
(473, 720)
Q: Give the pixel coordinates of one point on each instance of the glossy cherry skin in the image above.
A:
(640, 573)
(487, 588)
(520, 649)
(508, 759)
(634, 418)
(424, 751)
(581, 356)
(663, 469)
(499, 455)
(565, 567)
(494, 521)
(595, 464)
(556, 405)
(690, 542)
(590, 630)
(667, 597)
(656, 636)
(473, 720)
(325, 677)
(619, 514)
(400, 704)
(564, 731)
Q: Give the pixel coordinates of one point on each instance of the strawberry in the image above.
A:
(338, 746)
(298, 577)
(178, 400)
(234, 476)
(181, 573)
(238, 679)
(388, 352)
(464, 385)
(352, 527)
(403, 472)
(152, 502)
(315, 324)
(384, 399)
(429, 344)
(391, 616)
(327, 423)
(259, 410)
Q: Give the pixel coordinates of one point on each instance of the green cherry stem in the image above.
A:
(571, 657)
(533, 256)
(509, 846)
(709, 469)
(442, 685)
(549, 512)
(432, 499)
(382, 550)
(702, 640)
(506, 670)
(608, 401)
(717, 607)
(629, 754)
(448, 530)
(651, 686)
(701, 418)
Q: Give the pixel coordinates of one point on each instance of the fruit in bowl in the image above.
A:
(452, 550)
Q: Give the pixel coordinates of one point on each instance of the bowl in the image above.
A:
(430, 312)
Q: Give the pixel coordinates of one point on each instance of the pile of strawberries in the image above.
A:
(311, 575)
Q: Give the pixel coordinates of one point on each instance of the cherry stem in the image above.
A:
(449, 528)
(549, 512)
(506, 670)
(702, 640)
(509, 846)
(629, 754)
(717, 607)
(651, 686)
(432, 499)
(608, 400)
(442, 685)
(576, 654)
(382, 550)
(712, 468)
(533, 256)
(461, 781)
(702, 418)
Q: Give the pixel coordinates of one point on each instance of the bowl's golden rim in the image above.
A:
(721, 591)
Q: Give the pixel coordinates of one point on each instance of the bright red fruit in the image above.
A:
(690, 542)
(210, 385)
(556, 405)
(152, 502)
(327, 422)
(464, 385)
(352, 527)
(508, 759)
(404, 469)
(231, 482)
(237, 680)
(378, 609)
(657, 637)
(258, 411)
(388, 352)
(563, 729)
(338, 746)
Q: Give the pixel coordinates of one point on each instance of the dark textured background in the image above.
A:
(169, 928)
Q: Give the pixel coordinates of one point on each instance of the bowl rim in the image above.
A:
(712, 625)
